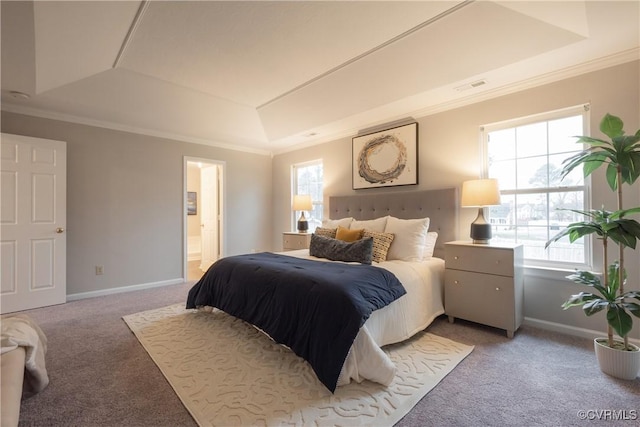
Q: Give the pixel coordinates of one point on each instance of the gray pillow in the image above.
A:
(337, 250)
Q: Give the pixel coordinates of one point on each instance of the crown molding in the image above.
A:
(543, 79)
(547, 78)
(36, 112)
(540, 80)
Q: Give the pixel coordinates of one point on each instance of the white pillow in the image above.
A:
(376, 225)
(335, 223)
(409, 241)
(429, 245)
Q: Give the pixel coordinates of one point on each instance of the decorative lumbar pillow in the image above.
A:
(348, 235)
(337, 250)
(335, 223)
(377, 224)
(326, 232)
(429, 245)
(409, 238)
(381, 244)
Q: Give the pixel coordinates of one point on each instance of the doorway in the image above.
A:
(204, 215)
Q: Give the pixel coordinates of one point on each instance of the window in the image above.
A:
(307, 179)
(526, 157)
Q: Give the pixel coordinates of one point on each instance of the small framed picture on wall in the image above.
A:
(192, 203)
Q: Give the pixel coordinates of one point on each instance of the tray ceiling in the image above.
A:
(267, 76)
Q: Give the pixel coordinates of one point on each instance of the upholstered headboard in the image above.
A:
(441, 206)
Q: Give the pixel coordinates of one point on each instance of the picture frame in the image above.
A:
(192, 203)
(386, 158)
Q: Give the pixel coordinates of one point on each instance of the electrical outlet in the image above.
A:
(99, 270)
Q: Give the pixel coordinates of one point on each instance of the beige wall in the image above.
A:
(125, 202)
(450, 153)
(125, 211)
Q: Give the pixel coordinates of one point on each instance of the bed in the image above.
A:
(405, 314)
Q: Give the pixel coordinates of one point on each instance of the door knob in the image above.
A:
(59, 230)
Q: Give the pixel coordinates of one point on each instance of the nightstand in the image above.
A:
(293, 241)
(485, 284)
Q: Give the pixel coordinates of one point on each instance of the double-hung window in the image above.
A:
(307, 179)
(526, 157)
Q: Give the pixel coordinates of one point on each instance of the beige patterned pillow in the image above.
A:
(381, 244)
(325, 232)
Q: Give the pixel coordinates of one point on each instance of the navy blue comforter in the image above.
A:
(316, 308)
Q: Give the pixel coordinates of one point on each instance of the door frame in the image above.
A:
(222, 236)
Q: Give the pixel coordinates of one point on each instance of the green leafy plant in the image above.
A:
(621, 155)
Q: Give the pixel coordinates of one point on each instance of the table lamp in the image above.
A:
(302, 202)
(480, 193)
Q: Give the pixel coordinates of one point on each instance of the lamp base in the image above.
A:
(480, 229)
(480, 242)
(303, 225)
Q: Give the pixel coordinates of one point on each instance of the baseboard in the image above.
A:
(569, 330)
(528, 321)
(111, 291)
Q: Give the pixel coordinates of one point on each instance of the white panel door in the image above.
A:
(32, 221)
(209, 215)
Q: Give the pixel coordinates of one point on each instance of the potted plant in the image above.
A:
(621, 155)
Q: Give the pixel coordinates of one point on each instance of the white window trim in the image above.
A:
(583, 109)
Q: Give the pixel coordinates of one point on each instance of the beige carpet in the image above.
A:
(228, 373)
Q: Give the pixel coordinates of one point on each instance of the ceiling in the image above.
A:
(268, 76)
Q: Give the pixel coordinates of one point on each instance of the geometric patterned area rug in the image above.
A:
(228, 373)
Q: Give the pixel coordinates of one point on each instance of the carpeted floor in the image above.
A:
(101, 376)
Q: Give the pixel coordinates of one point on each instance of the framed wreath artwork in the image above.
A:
(387, 158)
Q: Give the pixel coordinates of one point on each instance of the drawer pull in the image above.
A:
(455, 257)
(456, 282)
(497, 289)
(498, 262)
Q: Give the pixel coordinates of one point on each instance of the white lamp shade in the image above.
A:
(480, 192)
(302, 202)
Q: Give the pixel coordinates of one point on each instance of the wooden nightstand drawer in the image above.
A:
(481, 298)
(488, 260)
(293, 241)
(485, 284)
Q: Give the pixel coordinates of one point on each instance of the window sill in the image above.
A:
(552, 273)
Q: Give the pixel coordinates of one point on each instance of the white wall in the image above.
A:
(450, 153)
(125, 202)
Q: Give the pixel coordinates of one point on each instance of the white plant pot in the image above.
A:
(617, 363)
